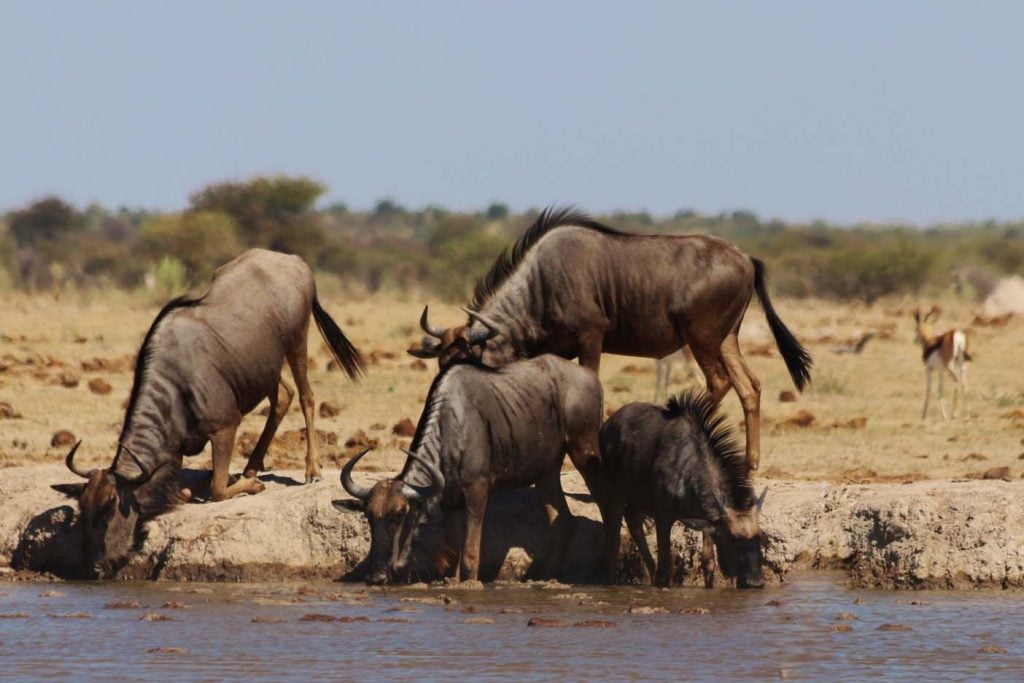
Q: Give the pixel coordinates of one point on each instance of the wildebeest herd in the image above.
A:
(504, 409)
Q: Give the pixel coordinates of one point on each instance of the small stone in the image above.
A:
(62, 439)
(595, 623)
(68, 380)
(997, 473)
(511, 610)
(165, 650)
(153, 616)
(318, 617)
(133, 604)
(647, 609)
(71, 615)
(100, 386)
(404, 427)
(7, 411)
(329, 409)
(773, 603)
(51, 594)
(174, 605)
(418, 365)
(803, 418)
(350, 620)
(395, 620)
(787, 396)
(478, 620)
(840, 628)
(695, 610)
(894, 627)
(846, 616)
(545, 622)
(267, 620)
(992, 650)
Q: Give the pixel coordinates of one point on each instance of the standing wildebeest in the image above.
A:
(679, 462)
(483, 430)
(573, 287)
(205, 363)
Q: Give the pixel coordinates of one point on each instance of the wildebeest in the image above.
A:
(204, 363)
(679, 462)
(483, 430)
(576, 288)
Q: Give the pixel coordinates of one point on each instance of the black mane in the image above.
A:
(143, 358)
(698, 406)
(509, 259)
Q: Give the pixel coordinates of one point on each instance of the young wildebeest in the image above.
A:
(679, 462)
(205, 363)
(576, 288)
(484, 430)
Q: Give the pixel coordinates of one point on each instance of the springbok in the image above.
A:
(946, 353)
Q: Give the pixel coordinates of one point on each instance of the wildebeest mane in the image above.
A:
(509, 259)
(729, 455)
(145, 354)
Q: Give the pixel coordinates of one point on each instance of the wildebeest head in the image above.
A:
(737, 536)
(109, 513)
(394, 511)
(463, 342)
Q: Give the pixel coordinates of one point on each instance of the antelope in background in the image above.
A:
(946, 353)
(663, 371)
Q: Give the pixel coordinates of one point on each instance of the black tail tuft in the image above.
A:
(798, 360)
(344, 352)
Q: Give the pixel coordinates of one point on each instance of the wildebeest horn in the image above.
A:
(427, 327)
(144, 472)
(478, 336)
(70, 462)
(760, 499)
(436, 480)
(354, 489)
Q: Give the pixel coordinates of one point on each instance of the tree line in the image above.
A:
(50, 244)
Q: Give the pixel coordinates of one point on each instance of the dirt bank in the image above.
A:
(930, 534)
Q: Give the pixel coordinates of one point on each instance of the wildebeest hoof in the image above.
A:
(257, 487)
(185, 495)
(312, 479)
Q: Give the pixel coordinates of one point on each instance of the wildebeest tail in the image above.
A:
(344, 352)
(798, 360)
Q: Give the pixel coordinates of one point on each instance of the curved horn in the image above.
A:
(427, 327)
(70, 462)
(354, 489)
(436, 480)
(760, 499)
(491, 331)
(145, 472)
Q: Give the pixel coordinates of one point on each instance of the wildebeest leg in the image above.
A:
(707, 559)
(223, 443)
(549, 487)
(663, 521)
(635, 522)
(298, 361)
(590, 350)
(476, 506)
(613, 535)
(715, 373)
(585, 454)
(454, 526)
(279, 403)
(749, 390)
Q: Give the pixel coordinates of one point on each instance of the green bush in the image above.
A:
(200, 241)
(873, 272)
(169, 278)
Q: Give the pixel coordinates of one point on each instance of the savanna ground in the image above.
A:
(864, 411)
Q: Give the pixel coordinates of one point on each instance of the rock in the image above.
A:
(992, 650)
(100, 386)
(478, 620)
(404, 427)
(154, 616)
(318, 617)
(7, 412)
(133, 604)
(846, 616)
(647, 609)
(545, 622)
(804, 418)
(974, 456)
(377, 426)
(168, 650)
(62, 439)
(787, 396)
(695, 610)
(68, 380)
(329, 409)
(418, 365)
(268, 620)
(595, 623)
(840, 628)
(894, 627)
(1002, 473)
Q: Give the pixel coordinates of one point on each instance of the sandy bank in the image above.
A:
(931, 534)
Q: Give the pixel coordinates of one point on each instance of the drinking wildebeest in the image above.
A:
(484, 430)
(204, 363)
(679, 462)
(576, 288)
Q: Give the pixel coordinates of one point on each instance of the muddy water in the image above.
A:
(812, 628)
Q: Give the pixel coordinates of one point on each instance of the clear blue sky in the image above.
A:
(844, 111)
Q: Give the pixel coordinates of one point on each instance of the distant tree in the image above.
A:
(387, 208)
(199, 240)
(497, 211)
(46, 220)
(271, 212)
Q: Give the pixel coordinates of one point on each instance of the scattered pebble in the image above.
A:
(912, 602)
(545, 622)
(404, 427)
(595, 623)
(100, 386)
(350, 620)
(992, 649)
(68, 380)
(846, 616)
(395, 620)
(894, 627)
(403, 608)
(174, 605)
(7, 411)
(773, 603)
(647, 609)
(695, 610)
(572, 596)
(329, 409)
(13, 615)
(267, 620)
(71, 615)
(167, 650)
(318, 617)
(153, 616)
(787, 396)
(478, 620)
(511, 610)
(51, 594)
(840, 628)
(62, 439)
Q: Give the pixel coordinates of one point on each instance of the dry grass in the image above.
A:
(866, 408)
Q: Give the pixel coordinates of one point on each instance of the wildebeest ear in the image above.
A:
(69, 490)
(347, 504)
(427, 350)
